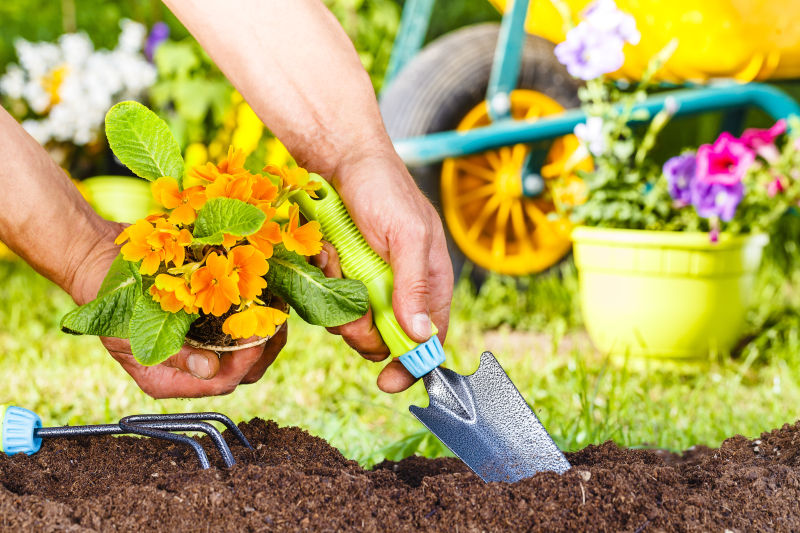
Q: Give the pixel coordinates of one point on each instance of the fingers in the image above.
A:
(175, 378)
(394, 377)
(441, 284)
(268, 356)
(361, 334)
(202, 364)
(409, 256)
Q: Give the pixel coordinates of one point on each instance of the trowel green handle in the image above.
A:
(360, 262)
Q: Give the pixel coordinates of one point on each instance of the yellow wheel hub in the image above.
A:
(490, 219)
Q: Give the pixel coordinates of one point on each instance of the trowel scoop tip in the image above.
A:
(485, 421)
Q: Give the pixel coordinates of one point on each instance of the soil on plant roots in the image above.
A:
(293, 481)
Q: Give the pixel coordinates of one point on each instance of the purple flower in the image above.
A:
(594, 47)
(158, 34)
(606, 18)
(680, 172)
(725, 162)
(589, 54)
(716, 200)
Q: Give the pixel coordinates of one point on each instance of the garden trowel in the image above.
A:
(482, 417)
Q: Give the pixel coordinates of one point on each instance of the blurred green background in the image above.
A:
(532, 324)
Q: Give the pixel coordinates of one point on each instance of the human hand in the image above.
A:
(402, 226)
(192, 372)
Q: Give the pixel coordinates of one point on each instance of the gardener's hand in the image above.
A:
(402, 226)
(192, 372)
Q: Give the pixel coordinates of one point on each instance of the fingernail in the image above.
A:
(198, 366)
(421, 324)
(323, 259)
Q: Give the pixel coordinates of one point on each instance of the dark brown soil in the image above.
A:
(293, 481)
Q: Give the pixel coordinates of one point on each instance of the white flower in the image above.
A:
(13, 82)
(38, 129)
(71, 86)
(131, 38)
(591, 134)
(75, 48)
(36, 96)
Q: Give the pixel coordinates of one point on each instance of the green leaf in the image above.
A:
(110, 312)
(318, 300)
(156, 334)
(143, 142)
(226, 215)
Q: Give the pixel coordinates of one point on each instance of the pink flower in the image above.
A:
(725, 162)
(755, 138)
(763, 141)
(775, 186)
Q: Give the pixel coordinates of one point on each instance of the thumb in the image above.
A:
(410, 299)
(202, 364)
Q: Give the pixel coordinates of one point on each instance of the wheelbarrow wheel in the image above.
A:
(443, 88)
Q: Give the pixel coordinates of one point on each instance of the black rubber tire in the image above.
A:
(446, 80)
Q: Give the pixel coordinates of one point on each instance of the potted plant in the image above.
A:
(666, 256)
(216, 266)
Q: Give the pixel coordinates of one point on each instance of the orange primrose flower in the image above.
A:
(232, 165)
(269, 234)
(173, 294)
(137, 248)
(171, 240)
(306, 239)
(239, 186)
(255, 320)
(295, 178)
(264, 191)
(215, 285)
(184, 204)
(229, 240)
(250, 265)
(153, 244)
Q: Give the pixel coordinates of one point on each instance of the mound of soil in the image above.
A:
(293, 481)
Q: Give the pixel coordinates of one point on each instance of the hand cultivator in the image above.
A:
(22, 431)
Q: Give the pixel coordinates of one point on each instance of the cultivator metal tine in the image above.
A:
(178, 417)
(161, 427)
(168, 425)
(166, 435)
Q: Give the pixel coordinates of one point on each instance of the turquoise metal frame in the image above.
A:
(731, 97)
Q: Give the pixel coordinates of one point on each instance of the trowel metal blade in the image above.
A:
(487, 423)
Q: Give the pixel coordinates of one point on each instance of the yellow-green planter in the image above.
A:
(664, 294)
(119, 198)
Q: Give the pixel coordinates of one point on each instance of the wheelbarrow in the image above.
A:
(484, 115)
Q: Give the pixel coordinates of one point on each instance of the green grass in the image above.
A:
(533, 326)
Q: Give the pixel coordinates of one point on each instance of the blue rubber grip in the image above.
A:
(424, 357)
(17, 432)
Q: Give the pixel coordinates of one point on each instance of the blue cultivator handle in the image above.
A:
(17, 427)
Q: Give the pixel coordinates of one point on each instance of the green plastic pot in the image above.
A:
(663, 294)
(119, 198)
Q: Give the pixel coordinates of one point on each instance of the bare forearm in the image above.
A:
(43, 217)
(298, 70)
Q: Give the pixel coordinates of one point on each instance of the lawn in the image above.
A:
(532, 326)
